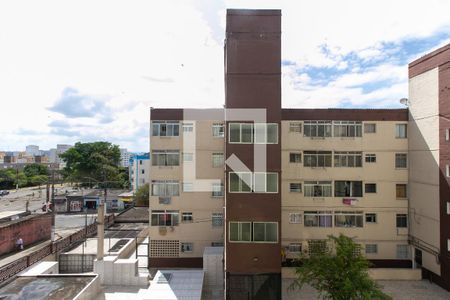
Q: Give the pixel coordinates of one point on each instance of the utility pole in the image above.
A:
(53, 205)
(101, 225)
(17, 177)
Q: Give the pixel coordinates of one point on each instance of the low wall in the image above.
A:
(375, 273)
(31, 229)
(90, 291)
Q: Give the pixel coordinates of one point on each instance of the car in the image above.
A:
(4, 193)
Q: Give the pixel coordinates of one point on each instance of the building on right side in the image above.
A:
(429, 158)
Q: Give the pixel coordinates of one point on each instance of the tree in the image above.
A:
(35, 169)
(337, 271)
(142, 195)
(97, 161)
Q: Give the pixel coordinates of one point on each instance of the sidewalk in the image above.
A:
(13, 256)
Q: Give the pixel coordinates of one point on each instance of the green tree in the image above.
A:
(97, 161)
(35, 169)
(141, 196)
(338, 272)
(37, 180)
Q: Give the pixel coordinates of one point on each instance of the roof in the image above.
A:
(176, 285)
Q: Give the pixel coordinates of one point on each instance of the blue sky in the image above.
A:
(84, 71)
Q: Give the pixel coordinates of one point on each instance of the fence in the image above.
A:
(22, 263)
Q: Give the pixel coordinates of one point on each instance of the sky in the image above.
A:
(90, 70)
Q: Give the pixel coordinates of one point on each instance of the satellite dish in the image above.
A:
(404, 101)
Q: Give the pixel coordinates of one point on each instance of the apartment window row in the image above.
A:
(165, 128)
(348, 159)
(258, 182)
(354, 219)
(261, 232)
(165, 188)
(249, 133)
(165, 158)
(171, 218)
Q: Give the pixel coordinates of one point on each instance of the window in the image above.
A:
(240, 231)
(188, 127)
(140, 162)
(318, 219)
(217, 190)
(165, 188)
(370, 128)
(187, 247)
(447, 170)
(348, 219)
(402, 251)
(295, 127)
(218, 130)
(371, 218)
(347, 128)
(188, 156)
(266, 133)
(401, 160)
(370, 188)
(371, 248)
(216, 244)
(350, 159)
(165, 158)
(316, 159)
(447, 134)
(240, 182)
(295, 157)
(316, 247)
(317, 128)
(240, 133)
(371, 158)
(402, 221)
(401, 131)
(265, 183)
(165, 218)
(295, 187)
(295, 218)
(217, 160)
(401, 191)
(142, 171)
(265, 231)
(347, 188)
(217, 219)
(188, 187)
(295, 247)
(169, 128)
(186, 217)
(317, 189)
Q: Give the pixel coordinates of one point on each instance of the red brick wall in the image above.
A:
(31, 229)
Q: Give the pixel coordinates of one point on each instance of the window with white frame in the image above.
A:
(217, 160)
(402, 220)
(447, 170)
(295, 187)
(165, 128)
(317, 247)
(371, 218)
(240, 182)
(347, 188)
(316, 159)
(188, 127)
(265, 231)
(165, 158)
(266, 133)
(165, 217)
(371, 158)
(371, 248)
(188, 156)
(295, 157)
(295, 127)
(188, 187)
(318, 219)
(265, 182)
(295, 218)
(218, 130)
(217, 190)
(240, 231)
(348, 219)
(402, 251)
(187, 247)
(401, 160)
(240, 133)
(317, 128)
(349, 159)
(447, 134)
(401, 131)
(370, 188)
(347, 128)
(217, 219)
(295, 248)
(317, 189)
(186, 217)
(165, 188)
(370, 128)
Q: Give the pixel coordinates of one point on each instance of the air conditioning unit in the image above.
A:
(162, 230)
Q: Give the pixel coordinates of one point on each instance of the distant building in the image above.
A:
(32, 150)
(124, 158)
(139, 170)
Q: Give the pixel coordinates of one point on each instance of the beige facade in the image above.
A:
(383, 232)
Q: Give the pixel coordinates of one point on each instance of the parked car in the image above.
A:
(4, 193)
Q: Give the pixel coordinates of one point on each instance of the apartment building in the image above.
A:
(139, 170)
